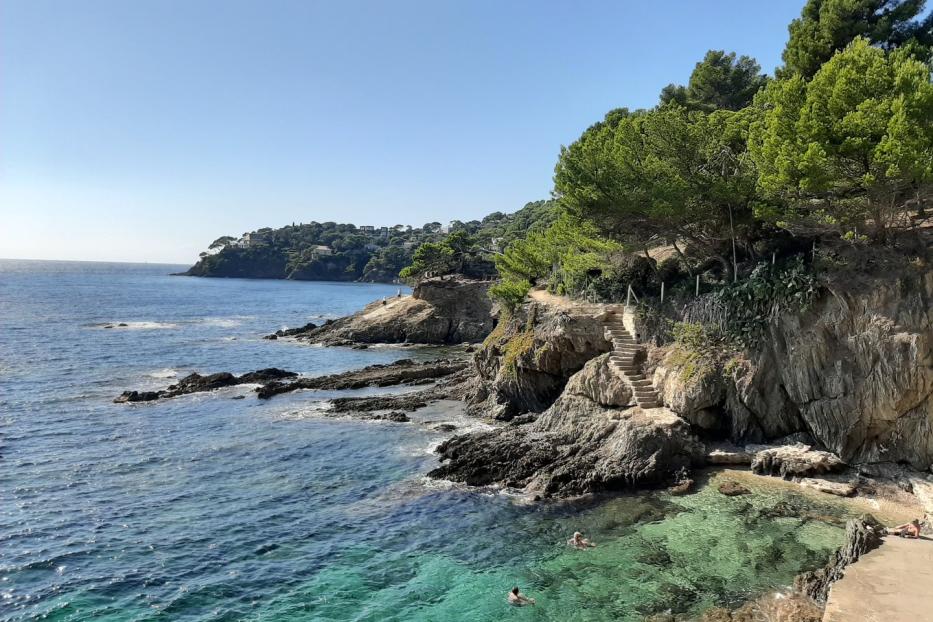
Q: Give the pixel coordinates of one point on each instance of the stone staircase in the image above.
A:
(622, 358)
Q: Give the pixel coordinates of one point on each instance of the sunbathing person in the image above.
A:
(907, 530)
(579, 542)
(518, 599)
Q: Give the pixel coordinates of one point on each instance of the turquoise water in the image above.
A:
(212, 508)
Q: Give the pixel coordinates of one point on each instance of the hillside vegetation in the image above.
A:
(736, 169)
(374, 254)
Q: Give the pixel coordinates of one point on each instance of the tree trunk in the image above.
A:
(683, 258)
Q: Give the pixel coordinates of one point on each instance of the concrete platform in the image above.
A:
(893, 583)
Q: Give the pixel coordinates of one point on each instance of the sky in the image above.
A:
(143, 130)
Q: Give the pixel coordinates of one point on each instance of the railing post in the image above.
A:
(698, 285)
(662, 292)
(628, 297)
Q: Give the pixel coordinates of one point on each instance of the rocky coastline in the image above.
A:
(838, 399)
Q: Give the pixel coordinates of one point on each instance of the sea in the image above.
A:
(219, 506)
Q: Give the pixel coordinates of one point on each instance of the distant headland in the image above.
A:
(331, 251)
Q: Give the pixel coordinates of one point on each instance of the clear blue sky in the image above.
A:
(141, 130)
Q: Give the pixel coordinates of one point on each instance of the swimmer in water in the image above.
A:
(518, 599)
(579, 542)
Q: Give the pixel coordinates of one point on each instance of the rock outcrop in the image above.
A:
(441, 310)
(525, 363)
(402, 372)
(854, 373)
(586, 441)
(797, 460)
(196, 383)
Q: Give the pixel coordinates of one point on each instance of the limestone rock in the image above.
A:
(840, 489)
(728, 455)
(525, 363)
(853, 374)
(794, 461)
(441, 310)
(601, 384)
(576, 446)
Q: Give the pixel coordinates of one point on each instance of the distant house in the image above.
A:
(408, 245)
(367, 228)
(372, 247)
(496, 244)
(321, 251)
(245, 241)
(446, 228)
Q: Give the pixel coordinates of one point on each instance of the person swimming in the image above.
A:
(907, 530)
(579, 542)
(518, 599)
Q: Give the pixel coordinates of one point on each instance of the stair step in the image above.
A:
(641, 383)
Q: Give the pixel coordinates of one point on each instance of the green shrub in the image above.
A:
(510, 293)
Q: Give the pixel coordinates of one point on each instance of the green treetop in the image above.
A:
(827, 26)
(719, 82)
(667, 175)
(851, 146)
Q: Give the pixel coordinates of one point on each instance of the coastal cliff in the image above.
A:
(852, 375)
(525, 363)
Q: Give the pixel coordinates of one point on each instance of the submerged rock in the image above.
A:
(838, 488)
(733, 489)
(397, 417)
